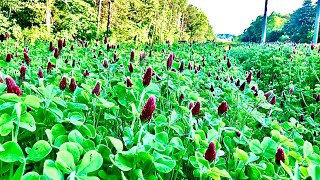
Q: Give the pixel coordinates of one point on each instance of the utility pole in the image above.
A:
(316, 25)
(264, 24)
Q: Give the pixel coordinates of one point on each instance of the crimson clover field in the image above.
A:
(75, 109)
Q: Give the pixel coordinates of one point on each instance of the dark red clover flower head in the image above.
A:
(294, 51)
(181, 67)
(318, 98)
(8, 57)
(259, 74)
(196, 109)
(64, 43)
(71, 47)
(132, 55)
(211, 88)
(73, 85)
(23, 70)
(63, 83)
(115, 56)
(280, 155)
(169, 61)
(51, 47)
(143, 55)
(105, 64)
(148, 109)
(40, 73)
(12, 87)
(312, 46)
(249, 77)
(229, 63)
(237, 83)
(181, 97)
(211, 153)
(129, 83)
(242, 87)
(86, 73)
(291, 90)
(56, 53)
(189, 66)
(238, 133)
(26, 57)
(284, 95)
(50, 66)
(301, 117)
(130, 67)
(96, 89)
(1, 80)
(191, 105)
(8, 35)
(267, 95)
(273, 100)
(147, 77)
(60, 44)
(223, 107)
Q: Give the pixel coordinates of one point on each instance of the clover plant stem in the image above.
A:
(0, 168)
(190, 124)
(140, 133)
(304, 101)
(17, 131)
(177, 171)
(141, 99)
(11, 171)
(94, 111)
(168, 100)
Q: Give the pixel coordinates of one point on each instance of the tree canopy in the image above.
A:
(147, 20)
(275, 24)
(297, 26)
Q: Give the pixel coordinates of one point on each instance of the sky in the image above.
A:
(234, 16)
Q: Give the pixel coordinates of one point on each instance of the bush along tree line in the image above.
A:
(120, 20)
(296, 27)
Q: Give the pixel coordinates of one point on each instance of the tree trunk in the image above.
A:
(99, 15)
(109, 17)
(48, 15)
(316, 25)
(264, 24)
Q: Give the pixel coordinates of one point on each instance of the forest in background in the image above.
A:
(120, 20)
(296, 27)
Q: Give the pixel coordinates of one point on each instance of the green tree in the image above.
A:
(121, 20)
(316, 24)
(299, 27)
(275, 24)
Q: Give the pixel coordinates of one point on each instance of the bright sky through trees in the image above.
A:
(233, 16)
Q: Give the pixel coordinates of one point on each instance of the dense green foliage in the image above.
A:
(274, 26)
(298, 26)
(147, 20)
(58, 131)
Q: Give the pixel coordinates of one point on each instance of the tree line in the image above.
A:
(119, 20)
(300, 26)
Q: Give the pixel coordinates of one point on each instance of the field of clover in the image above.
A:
(75, 109)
